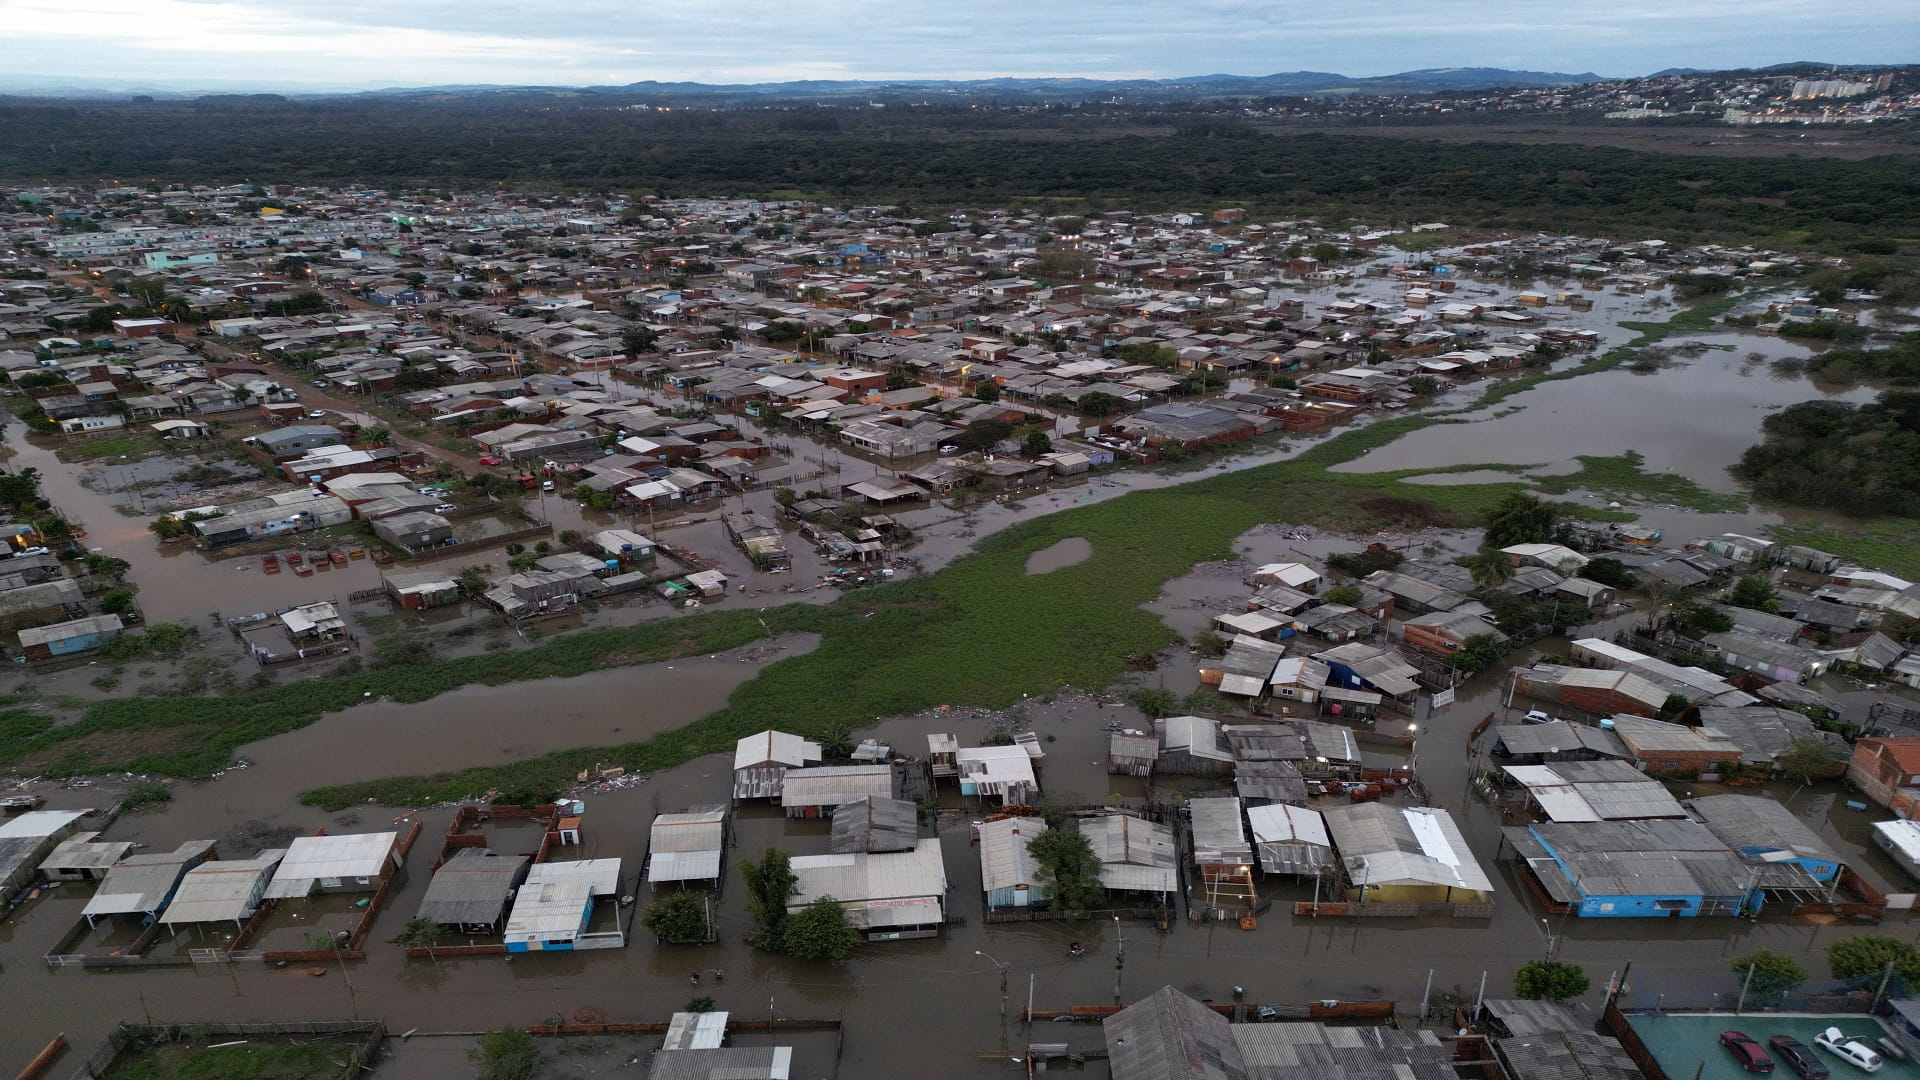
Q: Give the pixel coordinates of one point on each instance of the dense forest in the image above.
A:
(1898, 363)
(1154, 159)
(1862, 460)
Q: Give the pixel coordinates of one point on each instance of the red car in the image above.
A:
(489, 460)
(1746, 1052)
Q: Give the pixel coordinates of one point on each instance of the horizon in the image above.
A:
(349, 46)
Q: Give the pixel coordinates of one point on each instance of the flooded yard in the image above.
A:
(1072, 551)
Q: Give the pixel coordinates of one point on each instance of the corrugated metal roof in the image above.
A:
(723, 1063)
(1136, 855)
(1404, 845)
(471, 888)
(1219, 835)
(832, 785)
(774, 748)
(696, 1031)
(1751, 822)
(310, 858)
(872, 823)
(602, 876)
(1170, 1036)
(691, 831)
(858, 878)
(139, 885)
(1004, 863)
(221, 890)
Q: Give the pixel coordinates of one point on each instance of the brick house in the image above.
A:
(1444, 632)
(1888, 772)
(1675, 750)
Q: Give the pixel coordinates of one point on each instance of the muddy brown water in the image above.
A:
(1059, 555)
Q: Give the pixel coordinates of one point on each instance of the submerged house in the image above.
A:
(1136, 855)
(143, 885)
(1406, 854)
(471, 890)
(887, 896)
(761, 761)
(1627, 869)
(553, 910)
(1007, 872)
(1290, 840)
(815, 792)
(687, 847)
(220, 891)
(348, 863)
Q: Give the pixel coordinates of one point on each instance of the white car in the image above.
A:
(1849, 1049)
(1535, 716)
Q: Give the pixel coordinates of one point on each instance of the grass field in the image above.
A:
(253, 1061)
(1892, 545)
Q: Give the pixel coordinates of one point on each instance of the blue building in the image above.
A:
(68, 638)
(1670, 868)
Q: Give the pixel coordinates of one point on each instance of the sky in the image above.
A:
(272, 44)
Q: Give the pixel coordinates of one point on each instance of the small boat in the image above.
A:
(339, 558)
(303, 570)
(321, 562)
(383, 557)
(357, 553)
(294, 558)
(270, 563)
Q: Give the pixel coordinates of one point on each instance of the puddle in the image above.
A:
(1072, 551)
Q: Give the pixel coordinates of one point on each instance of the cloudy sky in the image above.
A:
(368, 43)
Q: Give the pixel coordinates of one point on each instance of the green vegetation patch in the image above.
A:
(251, 1061)
(1890, 544)
(1623, 475)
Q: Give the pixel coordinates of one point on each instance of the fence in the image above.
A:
(367, 1036)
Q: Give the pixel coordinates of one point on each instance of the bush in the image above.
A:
(1550, 980)
(1154, 701)
(506, 1054)
(819, 931)
(1869, 954)
(145, 793)
(1775, 975)
(679, 919)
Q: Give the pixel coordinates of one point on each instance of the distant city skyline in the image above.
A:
(362, 44)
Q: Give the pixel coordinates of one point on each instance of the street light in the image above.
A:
(1003, 994)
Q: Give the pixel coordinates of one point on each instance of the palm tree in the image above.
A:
(1490, 568)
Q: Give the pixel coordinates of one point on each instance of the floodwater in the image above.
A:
(1694, 416)
(1059, 555)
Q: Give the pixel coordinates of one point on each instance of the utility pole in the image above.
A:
(1119, 957)
(1030, 978)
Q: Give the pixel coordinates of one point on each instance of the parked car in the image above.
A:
(321, 383)
(1849, 1049)
(1798, 1056)
(1746, 1052)
(489, 460)
(546, 485)
(1535, 716)
(316, 414)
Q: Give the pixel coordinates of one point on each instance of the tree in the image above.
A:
(1037, 443)
(506, 1054)
(117, 602)
(418, 933)
(1521, 519)
(987, 390)
(770, 884)
(1478, 653)
(1154, 701)
(1775, 975)
(680, 918)
(819, 931)
(1490, 567)
(1610, 572)
(1423, 385)
(1697, 618)
(1209, 643)
(1809, 759)
(1550, 980)
(1346, 593)
(1676, 709)
(1754, 594)
(1065, 866)
(1869, 954)
(1099, 403)
(166, 527)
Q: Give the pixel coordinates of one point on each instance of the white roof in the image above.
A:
(1004, 863)
(1291, 574)
(1554, 555)
(1282, 822)
(996, 769)
(310, 858)
(683, 866)
(861, 878)
(1558, 798)
(220, 890)
(1903, 836)
(601, 876)
(696, 1031)
(1243, 685)
(554, 907)
(1249, 622)
(774, 748)
(39, 824)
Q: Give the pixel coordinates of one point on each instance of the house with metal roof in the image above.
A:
(1900, 838)
(1593, 791)
(1290, 840)
(27, 839)
(1136, 855)
(1636, 869)
(223, 890)
(1405, 854)
(722, 1063)
(1008, 874)
(348, 863)
(761, 761)
(1546, 1040)
(83, 857)
(888, 896)
(814, 792)
(874, 823)
(1259, 783)
(1245, 668)
(1191, 745)
(1221, 852)
(1760, 828)
(143, 885)
(1533, 744)
(1359, 665)
(1676, 750)
(553, 909)
(1765, 657)
(686, 847)
(470, 891)
(1170, 1036)
(1766, 733)
(1002, 772)
(1132, 753)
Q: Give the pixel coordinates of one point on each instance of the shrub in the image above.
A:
(1550, 980)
